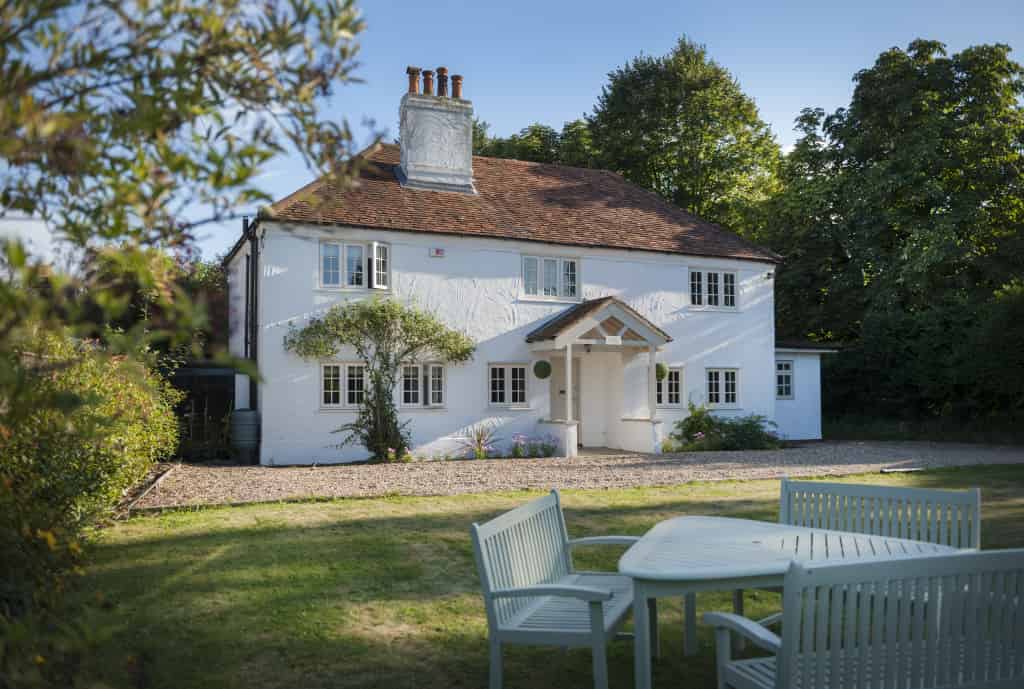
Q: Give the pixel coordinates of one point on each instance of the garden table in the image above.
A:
(687, 555)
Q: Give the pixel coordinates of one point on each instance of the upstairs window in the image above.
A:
(669, 390)
(350, 265)
(723, 387)
(713, 288)
(784, 380)
(552, 278)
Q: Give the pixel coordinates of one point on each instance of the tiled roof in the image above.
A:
(574, 314)
(518, 200)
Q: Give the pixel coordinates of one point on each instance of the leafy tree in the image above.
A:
(480, 137)
(576, 145)
(537, 143)
(384, 334)
(680, 126)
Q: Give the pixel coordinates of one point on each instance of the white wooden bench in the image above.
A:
(945, 517)
(534, 596)
(969, 634)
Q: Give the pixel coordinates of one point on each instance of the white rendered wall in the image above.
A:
(476, 287)
(800, 418)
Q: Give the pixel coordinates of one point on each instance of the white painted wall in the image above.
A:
(800, 418)
(476, 287)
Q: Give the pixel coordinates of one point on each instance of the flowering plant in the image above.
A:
(480, 439)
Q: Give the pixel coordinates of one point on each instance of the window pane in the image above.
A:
(381, 265)
(330, 265)
(657, 392)
(518, 384)
(354, 265)
(497, 385)
(332, 385)
(712, 289)
(530, 275)
(550, 286)
(730, 387)
(696, 291)
(356, 385)
(729, 289)
(714, 391)
(410, 385)
(674, 377)
(436, 385)
(569, 278)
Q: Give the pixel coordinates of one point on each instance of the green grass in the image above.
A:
(383, 592)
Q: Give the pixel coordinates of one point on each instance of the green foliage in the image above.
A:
(542, 369)
(384, 334)
(480, 440)
(701, 430)
(901, 223)
(660, 371)
(540, 143)
(680, 126)
(90, 428)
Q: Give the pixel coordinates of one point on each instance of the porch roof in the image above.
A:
(602, 311)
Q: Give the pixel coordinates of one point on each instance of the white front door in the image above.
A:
(558, 396)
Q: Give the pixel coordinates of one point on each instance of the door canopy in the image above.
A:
(607, 321)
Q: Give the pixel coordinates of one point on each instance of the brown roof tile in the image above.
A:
(574, 314)
(518, 200)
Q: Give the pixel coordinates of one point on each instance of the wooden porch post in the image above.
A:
(652, 381)
(568, 381)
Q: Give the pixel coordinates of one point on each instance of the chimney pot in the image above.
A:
(442, 82)
(428, 82)
(414, 78)
(457, 86)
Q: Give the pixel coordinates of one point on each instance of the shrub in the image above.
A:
(702, 430)
(480, 440)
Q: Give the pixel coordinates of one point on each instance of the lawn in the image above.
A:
(383, 592)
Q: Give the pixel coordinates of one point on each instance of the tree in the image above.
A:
(385, 335)
(680, 126)
(537, 143)
(576, 145)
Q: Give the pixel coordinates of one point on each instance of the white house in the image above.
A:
(536, 263)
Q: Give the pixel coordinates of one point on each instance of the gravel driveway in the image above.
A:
(207, 485)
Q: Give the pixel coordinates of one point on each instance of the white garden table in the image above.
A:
(686, 555)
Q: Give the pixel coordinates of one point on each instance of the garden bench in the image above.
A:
(534, 596)
(944, 517)
(970, 635)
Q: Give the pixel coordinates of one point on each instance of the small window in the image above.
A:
(331, 395)
(410, 385)
(715, 289)
(784, 380)
(722, 387)
(330, 265)
(669, 390)
(355, 387)
(553, 278)
(435, 385)
(381, 265)
(507, 384)
(530, 276)
(354, 265)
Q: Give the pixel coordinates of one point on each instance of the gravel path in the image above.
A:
(208, 485)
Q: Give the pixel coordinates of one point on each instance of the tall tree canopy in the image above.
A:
(680, 126)
(539, 143)
(901, 222)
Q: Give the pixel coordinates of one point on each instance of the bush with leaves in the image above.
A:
(702, 431)
(384, 334)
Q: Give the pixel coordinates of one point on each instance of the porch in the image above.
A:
(603, 377)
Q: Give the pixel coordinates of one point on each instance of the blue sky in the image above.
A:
(546, 61)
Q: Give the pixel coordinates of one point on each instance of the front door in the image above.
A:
(558, 396)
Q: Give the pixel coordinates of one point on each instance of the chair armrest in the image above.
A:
(586, 593)
(748, 629)
(604, 540)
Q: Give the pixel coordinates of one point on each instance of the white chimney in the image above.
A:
(436, 134)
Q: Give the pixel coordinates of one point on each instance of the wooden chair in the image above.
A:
(534, 596)
(944, 517)
(969, 634)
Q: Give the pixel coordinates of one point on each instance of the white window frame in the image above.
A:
(424, 386)
(369, 268)
(561, 286)
(790, 374)
(661, 392)
(507, 367)
(702, 279)
(722, 403)
(343, 386)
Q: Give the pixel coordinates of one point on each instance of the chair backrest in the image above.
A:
(523, 547)
(941, 621)
(945, 517)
